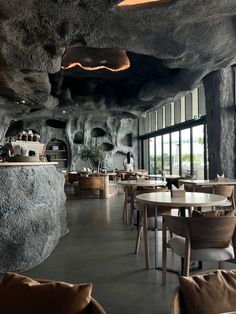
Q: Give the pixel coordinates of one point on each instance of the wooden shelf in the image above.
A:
(59, 155)
(58, 159)
(55, 150)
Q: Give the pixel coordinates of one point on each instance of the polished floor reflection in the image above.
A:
(100, 249)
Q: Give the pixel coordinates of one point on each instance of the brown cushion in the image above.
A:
(210, 293)
(213, 213)
(20, 294)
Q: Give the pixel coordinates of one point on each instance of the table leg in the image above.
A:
(145, 236)
(125, 209)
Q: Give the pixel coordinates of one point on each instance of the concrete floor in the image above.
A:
(99, 249)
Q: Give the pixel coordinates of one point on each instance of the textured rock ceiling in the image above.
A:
(167, 47)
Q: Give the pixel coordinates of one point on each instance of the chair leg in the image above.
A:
(138, 239)
(164, 255)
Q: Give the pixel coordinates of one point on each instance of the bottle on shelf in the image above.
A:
(24, 136)
(30, 136)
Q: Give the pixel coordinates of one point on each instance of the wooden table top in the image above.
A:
(160, 176)
(208, 182)
(191, 199)
(142, 183)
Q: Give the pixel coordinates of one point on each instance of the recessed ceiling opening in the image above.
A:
(135, 2)
(94, 59)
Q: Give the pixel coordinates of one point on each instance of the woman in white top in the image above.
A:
(129, 163)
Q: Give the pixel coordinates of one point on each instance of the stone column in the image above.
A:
(220, 109)
(4, 125)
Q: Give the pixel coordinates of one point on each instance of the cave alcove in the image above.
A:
(127, 140)
(107, 147)
(97, 132)
(56, 124)
(78, 138)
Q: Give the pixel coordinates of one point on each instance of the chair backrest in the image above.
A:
(203, 232)
(176, 224)
(224, 190)
(211, 232)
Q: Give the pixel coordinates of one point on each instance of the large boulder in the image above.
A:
(32, 215)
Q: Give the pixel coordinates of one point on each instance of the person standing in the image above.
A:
(129, 162)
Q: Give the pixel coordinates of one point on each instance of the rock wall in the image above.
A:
(33, 196)
(220, 108)
(118, 136)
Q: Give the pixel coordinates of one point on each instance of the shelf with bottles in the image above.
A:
(56, 150)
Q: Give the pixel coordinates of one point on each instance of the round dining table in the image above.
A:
(189, 200)
(130, 186)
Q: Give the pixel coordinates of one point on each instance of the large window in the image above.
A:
(152, 163)
(181, 152)
(174, 137)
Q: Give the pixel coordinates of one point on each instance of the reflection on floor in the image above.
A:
(99, 249)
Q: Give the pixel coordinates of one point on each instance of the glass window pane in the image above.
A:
(152, 155)
(175, 152)
(185, 150)
(188, 107)
(168, 115)
(159, 119)
(183, 111)
(145, 154)
(172, 113)
(198, 151)
(153, 120)
(177, 106)
(195, 103)
(164, 116)
(166, 153)
(158, 154)
(146, 124)
(202, 101)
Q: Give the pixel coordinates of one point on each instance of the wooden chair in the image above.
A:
(226, 191)
(199, 239)
(152, 224)
(177, 303)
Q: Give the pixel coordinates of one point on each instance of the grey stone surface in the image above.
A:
(219, 90)
(171, 48)
(32, 215)
(115, 130)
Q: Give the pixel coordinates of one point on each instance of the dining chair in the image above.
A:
(198, 239)
(153, 224)
(228, 192)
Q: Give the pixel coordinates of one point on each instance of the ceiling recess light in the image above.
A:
(88, 60)
(22, 101)
(135, 2)
(103, 61)
(63, 111)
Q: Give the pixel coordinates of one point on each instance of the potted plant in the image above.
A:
(93, 155)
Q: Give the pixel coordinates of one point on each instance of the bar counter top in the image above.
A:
(33, 163)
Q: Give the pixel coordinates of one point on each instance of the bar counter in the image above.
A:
(32, 213)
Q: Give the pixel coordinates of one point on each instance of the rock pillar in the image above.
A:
(220, 109)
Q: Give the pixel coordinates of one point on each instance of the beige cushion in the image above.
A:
(177, 244)
(23, 295)
(211, 293)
